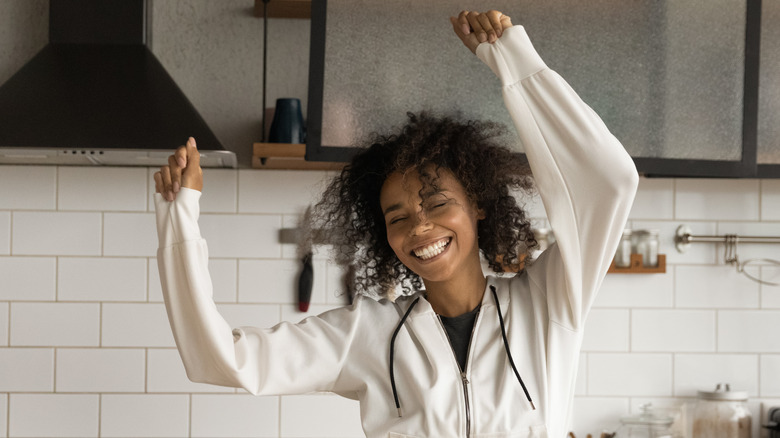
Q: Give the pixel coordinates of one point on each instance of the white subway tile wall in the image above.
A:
(86, 349)
(5, 232)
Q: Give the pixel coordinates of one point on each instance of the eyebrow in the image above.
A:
(392, 208)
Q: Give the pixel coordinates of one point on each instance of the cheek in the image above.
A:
(395, 239)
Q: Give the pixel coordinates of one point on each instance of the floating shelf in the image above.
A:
(637, 268)
(285, 8)
(287, 156)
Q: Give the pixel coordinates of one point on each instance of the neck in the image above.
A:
(457, 296)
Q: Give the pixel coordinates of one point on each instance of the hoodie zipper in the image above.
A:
(463, 378)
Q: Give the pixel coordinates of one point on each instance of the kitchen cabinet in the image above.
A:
(677, 82)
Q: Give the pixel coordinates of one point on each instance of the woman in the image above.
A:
(457, 354)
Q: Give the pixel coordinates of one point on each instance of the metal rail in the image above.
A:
(684, 238)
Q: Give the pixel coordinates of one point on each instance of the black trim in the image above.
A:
(315, 151)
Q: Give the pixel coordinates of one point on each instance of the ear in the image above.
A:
(481, 214)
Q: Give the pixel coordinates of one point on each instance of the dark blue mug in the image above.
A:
(287, 126)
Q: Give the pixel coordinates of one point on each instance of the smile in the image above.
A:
(430, 251)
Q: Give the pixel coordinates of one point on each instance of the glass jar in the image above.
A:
(624, 249)
(646, 243)
(722, 413)
(646, 425)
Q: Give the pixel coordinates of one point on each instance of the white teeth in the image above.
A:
(431, 250)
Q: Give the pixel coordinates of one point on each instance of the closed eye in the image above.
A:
(395, 220)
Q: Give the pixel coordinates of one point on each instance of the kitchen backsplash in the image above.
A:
(86, 350)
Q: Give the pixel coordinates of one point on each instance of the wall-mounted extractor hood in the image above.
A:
(97, 95)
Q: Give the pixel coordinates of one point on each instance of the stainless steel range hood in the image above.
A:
(97, 95)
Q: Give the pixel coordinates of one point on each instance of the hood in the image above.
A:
(97, 95)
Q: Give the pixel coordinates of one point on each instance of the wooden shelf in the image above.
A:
(285, 8)
(287, 156)
(637, 268)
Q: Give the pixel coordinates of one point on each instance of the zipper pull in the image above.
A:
(463, 376)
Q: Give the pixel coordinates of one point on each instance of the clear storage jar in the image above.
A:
(624, 249)
(646, 243)
(646, 425)
(721, 414)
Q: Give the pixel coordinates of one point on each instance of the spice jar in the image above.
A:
(721, 414)
(623, 254)
(646, 243)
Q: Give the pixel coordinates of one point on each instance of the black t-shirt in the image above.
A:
(459, 330)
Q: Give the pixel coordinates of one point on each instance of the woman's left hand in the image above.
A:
(474, 28)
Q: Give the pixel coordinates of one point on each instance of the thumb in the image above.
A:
(193, 156)
(192, 176)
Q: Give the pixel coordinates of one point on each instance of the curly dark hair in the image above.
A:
(490, 173)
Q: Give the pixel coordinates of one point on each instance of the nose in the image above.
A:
(420, 225)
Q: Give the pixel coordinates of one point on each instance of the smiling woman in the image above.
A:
(455, 353)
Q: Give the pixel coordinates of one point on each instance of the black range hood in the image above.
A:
(97, 95)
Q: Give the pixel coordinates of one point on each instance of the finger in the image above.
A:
(469, 40)
(487, 27)
(165, 174)
(464, 22)
(181, 156)
(175, 173)
(495, 21)
(506, 23)
(158, 184)
(476, 26)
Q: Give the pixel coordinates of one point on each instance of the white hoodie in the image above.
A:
(587, 183)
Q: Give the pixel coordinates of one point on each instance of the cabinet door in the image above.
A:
(769, 92)
(666, 77)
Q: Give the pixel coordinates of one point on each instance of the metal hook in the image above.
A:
(731, 257)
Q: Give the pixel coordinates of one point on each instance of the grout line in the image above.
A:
(279, 413)
(146, 370)
(189, 414)
(54, 370)
(100, 415)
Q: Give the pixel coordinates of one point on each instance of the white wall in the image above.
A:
(85, 347)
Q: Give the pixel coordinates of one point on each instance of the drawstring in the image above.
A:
(506, 347)
(503, 336)
(392, 354)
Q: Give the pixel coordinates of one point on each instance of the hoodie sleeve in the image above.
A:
(286, 359)
(586, 179)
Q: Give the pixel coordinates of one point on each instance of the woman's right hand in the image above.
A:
(474, 28)
(183, 170)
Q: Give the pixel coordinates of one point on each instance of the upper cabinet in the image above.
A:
(676, 82)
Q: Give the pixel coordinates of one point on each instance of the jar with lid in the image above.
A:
(624, 249)
(647, 424)
(646, 243)
(722, 413)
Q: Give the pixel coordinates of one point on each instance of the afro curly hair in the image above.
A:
(490, 173)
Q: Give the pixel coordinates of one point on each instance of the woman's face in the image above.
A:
(436, 237)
